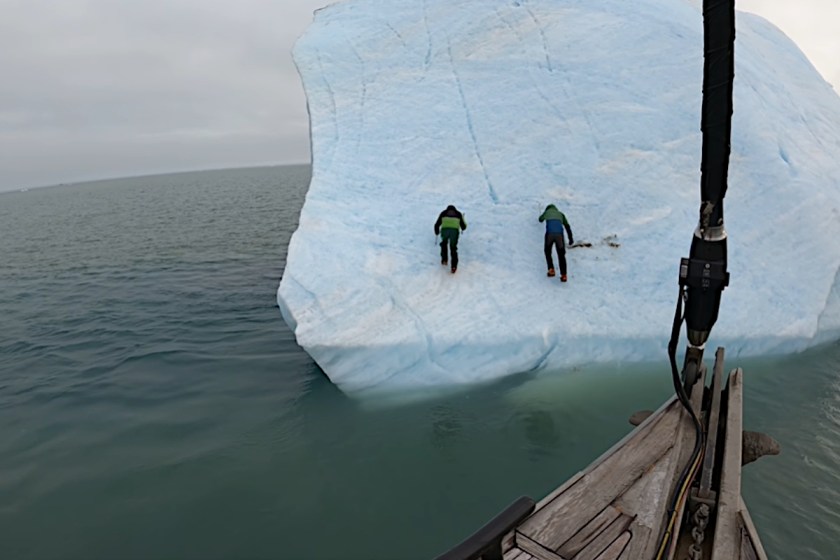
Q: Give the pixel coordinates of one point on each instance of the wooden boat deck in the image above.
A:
(618, 507)
(615, 508)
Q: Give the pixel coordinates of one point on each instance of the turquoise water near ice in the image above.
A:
(154, 405)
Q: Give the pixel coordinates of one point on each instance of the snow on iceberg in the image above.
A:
(501, 107)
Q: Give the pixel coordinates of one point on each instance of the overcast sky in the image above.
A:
(109, 88)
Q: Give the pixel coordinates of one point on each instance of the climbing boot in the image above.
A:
(563, 278)
(453, 270)
(551, 272)
(444, 262)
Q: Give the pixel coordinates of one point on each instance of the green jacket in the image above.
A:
(555, 222)
(450, 218)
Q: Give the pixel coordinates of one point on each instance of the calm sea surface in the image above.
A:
(154, 405)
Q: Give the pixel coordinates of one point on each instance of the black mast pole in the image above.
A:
(703, 274)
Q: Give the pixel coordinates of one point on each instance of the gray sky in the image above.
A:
(109, 88)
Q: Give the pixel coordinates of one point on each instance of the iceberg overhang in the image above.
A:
(503, 107)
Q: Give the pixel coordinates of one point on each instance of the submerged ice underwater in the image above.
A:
(179, 418)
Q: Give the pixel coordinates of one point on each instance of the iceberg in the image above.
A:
(502, 107)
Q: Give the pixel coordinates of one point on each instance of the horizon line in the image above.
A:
(150, 174)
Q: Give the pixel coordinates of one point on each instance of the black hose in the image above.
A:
(690, 468)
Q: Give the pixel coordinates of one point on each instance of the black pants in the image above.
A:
(449, 236)
(555, 240)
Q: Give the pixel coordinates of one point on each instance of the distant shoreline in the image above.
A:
(152, 174)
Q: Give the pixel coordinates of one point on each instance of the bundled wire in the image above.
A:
(690, 471)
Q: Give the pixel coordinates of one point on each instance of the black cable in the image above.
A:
(698, 428)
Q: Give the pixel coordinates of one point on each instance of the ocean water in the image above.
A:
(154, 405)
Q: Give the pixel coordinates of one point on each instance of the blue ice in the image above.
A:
(502, 107)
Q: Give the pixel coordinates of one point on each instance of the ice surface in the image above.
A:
(501, 107)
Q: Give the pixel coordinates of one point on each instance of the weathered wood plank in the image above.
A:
(647, 499)
(562, 488)
(705, 489)
(605, 539)
(535, 549)
(747, 549)
(751, 530)
(643, 543)
(603, 457)
(588, 532)
(727, 540)
(517, 554)
(616, 549)
(558, 520)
